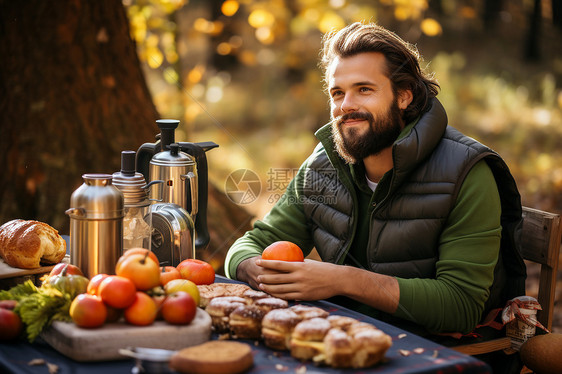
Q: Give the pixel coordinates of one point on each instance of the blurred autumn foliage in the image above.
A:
(244, 74)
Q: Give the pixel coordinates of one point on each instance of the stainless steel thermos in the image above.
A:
(137, 220)
(173, 220)
(96, 225)
(179, 219)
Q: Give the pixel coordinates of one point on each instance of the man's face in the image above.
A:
(366, 117)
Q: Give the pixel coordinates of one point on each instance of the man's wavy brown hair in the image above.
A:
(402, 61)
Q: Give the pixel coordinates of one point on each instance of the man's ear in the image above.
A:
(405, 97)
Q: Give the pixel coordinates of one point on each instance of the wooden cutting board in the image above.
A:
(103, 344)
(11, 276)
(7, 271)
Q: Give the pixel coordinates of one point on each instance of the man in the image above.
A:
(414, 222)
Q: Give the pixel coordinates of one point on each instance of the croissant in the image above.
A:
(27, 244)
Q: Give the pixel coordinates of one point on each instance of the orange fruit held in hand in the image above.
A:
(197, 271)
(88, 311)
(283, 251)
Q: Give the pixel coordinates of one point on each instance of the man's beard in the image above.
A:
(381, 134)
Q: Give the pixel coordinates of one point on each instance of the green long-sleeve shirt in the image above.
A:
(468, 251)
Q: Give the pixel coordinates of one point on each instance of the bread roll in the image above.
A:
(211, 291)
(341, 322)
(27, 244)
(245, 322)
(370, 346)
(307, 340)
(277, 327)
(271, 303)
(338, 348)
(308, 312)
(252, 296)
(213, 357)
(220, 308)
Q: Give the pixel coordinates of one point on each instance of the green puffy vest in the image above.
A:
(430, 165)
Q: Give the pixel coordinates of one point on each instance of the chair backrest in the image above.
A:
(540, 243)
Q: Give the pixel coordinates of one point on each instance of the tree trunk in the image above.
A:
(73, 96)
(492, 9)
(532, 44)
(557, 14)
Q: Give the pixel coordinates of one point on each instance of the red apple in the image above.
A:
(197, 271)
(70, 269)
(179, 308)
(142, 312)
(167, 273)
(94, 284)
(88, 311)
(10, 322)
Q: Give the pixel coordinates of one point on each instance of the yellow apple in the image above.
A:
(185, 285)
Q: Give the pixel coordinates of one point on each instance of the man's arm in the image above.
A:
(315, 280)
(454, 301)
(285, 221)
(468, 253)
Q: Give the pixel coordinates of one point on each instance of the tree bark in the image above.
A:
(532, 44)
(73, 96)
(492, 9)
(557, 14)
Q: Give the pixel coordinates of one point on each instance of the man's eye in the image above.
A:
(365, 89)
(336, 93)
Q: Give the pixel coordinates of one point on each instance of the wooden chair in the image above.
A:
(540, 242)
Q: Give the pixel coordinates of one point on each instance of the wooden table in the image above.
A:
(409, 354)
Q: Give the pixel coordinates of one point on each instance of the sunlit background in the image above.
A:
(244, 74)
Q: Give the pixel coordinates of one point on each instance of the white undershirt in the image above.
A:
(372, 185)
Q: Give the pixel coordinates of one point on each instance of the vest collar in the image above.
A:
(415, 143)
(415, 146)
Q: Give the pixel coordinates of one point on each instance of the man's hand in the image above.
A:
(316, 280)
(298, 280)
(248, 271)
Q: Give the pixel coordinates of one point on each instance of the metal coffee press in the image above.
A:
(96, 225)
(180, 219)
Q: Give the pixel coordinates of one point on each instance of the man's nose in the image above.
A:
(349, 104)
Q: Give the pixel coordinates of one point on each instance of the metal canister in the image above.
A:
(137, 225)
(178, 171)
(96, 225)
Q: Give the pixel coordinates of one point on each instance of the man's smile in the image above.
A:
(351, 122)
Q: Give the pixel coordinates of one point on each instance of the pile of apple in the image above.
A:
(10, 323)
(142, 292)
